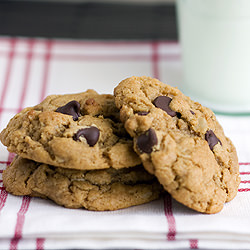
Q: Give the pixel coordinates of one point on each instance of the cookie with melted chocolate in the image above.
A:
(77, 131)
(180, 142)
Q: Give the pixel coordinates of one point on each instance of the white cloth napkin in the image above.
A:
(30, 69)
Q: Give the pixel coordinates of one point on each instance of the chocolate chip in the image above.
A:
(91, 135)
(163, 102)
(192, 112)
(212, 139)
(146, 141)
(142, 113)
(71, 108)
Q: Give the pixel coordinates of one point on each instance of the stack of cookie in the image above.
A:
(74, 150)
(105, 152)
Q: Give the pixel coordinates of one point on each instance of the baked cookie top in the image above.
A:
(106, 189)
(180, 142)
(80, 131)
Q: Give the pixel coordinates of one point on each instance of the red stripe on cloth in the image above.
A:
(111, 43)
(47, 58)
(170, 57)
(244, 182)
(121, 57)
(20, 222)
(84, 57)
(9, 110)
(4, 162)
(193, 244)
(8, 39)
(26, 74)
(170, 217)
(243, 189)
(40, 243)
(155, 60)
(244, 173)
(101, 43)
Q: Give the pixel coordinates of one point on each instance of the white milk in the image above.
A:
(215, 40)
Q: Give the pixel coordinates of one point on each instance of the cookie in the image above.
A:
(79, 131)
(180, 142)
(100, 190)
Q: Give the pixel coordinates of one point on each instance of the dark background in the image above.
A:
(88, 20)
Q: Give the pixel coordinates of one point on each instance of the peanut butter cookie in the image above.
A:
(180, 142)
(79, 131)
(106, 189)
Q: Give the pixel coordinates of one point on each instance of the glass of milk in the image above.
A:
(215, 43)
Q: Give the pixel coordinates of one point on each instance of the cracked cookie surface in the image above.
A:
(80, 131)
(180, 142)
(100, 190)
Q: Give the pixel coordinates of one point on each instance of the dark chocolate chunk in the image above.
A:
(192, 112)
(212, 139)
(91, 135)
(163, 102)
(146, 141)
(178, 114)
(71, 108)
(142, 113)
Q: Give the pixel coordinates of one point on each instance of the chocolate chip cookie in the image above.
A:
(108, 189)
(180, 142)
(79, 131)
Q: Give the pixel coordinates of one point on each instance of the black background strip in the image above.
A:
(88, 20)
